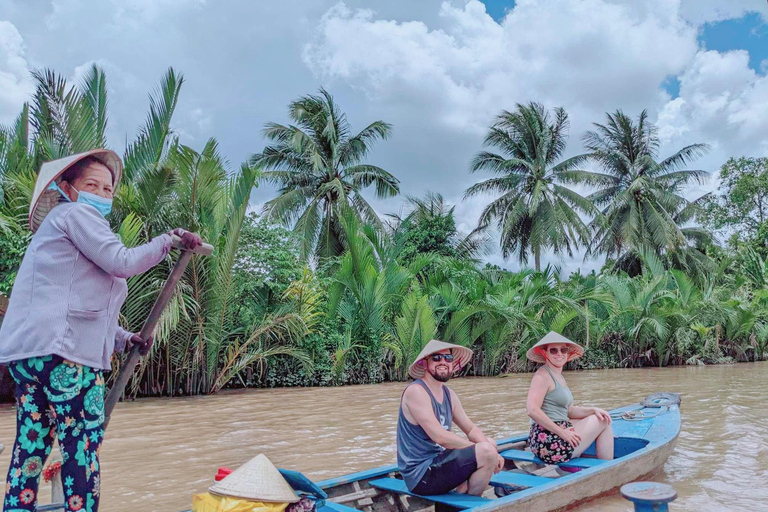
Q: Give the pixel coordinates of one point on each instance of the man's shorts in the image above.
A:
(448, 471)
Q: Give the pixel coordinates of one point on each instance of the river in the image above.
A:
(158, 452)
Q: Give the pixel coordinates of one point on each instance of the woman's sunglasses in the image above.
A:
(555, 350)
(448, 358)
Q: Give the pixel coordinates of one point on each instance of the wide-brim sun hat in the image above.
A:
(461, 357)
(256, 480)
(44, 200)
(575, 350)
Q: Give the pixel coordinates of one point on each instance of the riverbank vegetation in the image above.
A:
(317, 289)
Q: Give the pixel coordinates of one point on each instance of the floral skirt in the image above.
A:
(550, 447)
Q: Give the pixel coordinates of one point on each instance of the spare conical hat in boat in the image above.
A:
(44, 200)
(575, 350)
(461, 357)
(257, 480)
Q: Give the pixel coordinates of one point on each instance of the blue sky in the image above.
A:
(749, 32)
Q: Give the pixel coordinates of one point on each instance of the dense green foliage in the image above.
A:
(317, 290)
(740, 208)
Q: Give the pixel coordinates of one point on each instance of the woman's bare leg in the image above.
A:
(591, 429)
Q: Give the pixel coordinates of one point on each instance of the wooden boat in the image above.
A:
(645, 435)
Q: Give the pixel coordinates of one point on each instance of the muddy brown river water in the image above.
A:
(158, 452)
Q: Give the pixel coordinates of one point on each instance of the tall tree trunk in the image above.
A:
(537, 258)
(586, 312)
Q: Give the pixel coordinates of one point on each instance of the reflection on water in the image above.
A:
(158, 452)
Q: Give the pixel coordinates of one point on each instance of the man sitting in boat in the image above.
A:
(554, 437)
(431, 459)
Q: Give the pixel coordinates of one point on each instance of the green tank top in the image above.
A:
(557, 401)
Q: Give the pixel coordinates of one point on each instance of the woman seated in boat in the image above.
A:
(61, 325)
(560, 430)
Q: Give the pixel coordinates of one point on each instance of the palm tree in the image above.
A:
(414, 328)
(429, 225)
(639, 197)
(318, 165)
(535, 211)
(368, 285)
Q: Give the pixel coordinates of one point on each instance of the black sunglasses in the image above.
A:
(448, 358)
(555, 350)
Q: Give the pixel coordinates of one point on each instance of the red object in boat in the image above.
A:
(223, 471)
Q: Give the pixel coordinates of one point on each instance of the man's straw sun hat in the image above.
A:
(256, 480)
(461, 357)
(44, 200)
(575, 350)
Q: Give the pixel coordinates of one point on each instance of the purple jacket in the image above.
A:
(70, 288)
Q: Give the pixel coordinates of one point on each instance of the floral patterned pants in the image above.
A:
(56, 398)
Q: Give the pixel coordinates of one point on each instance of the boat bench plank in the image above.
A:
(519, 479)
(336, 507)
(453, 499)
(525, 456)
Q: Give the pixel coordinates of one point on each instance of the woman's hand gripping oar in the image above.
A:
(149, 326)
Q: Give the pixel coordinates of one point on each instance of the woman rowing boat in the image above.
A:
(61, 326)
(554, 437)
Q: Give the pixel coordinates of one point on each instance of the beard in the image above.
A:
(441, 377)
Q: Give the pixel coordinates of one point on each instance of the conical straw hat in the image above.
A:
(257, 480)
(462, 356)
(575, 351)
(43, 200)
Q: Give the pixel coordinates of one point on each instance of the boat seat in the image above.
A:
(330, 506)
(516, 479)
(452, 499)
(525, 456)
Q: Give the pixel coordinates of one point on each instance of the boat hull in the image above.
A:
(574, 493)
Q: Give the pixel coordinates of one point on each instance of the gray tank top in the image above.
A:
(415, 449)
(557, 401)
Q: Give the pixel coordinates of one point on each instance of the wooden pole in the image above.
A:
(149, 326)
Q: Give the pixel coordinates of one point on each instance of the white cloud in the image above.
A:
(721, 100)
(587, 54)
(15, 80)
(118, 14)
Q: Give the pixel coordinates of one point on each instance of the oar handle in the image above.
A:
(205, 249)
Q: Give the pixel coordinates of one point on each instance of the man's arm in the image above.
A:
(419, 405)
(460, 417)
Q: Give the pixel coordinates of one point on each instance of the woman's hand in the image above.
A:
(144, 346)
(570, 436)
(601, 414)
(499, 465)
(188, 240)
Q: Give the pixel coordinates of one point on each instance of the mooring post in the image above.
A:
(649, 496)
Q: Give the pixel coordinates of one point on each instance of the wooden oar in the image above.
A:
(149, 326)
